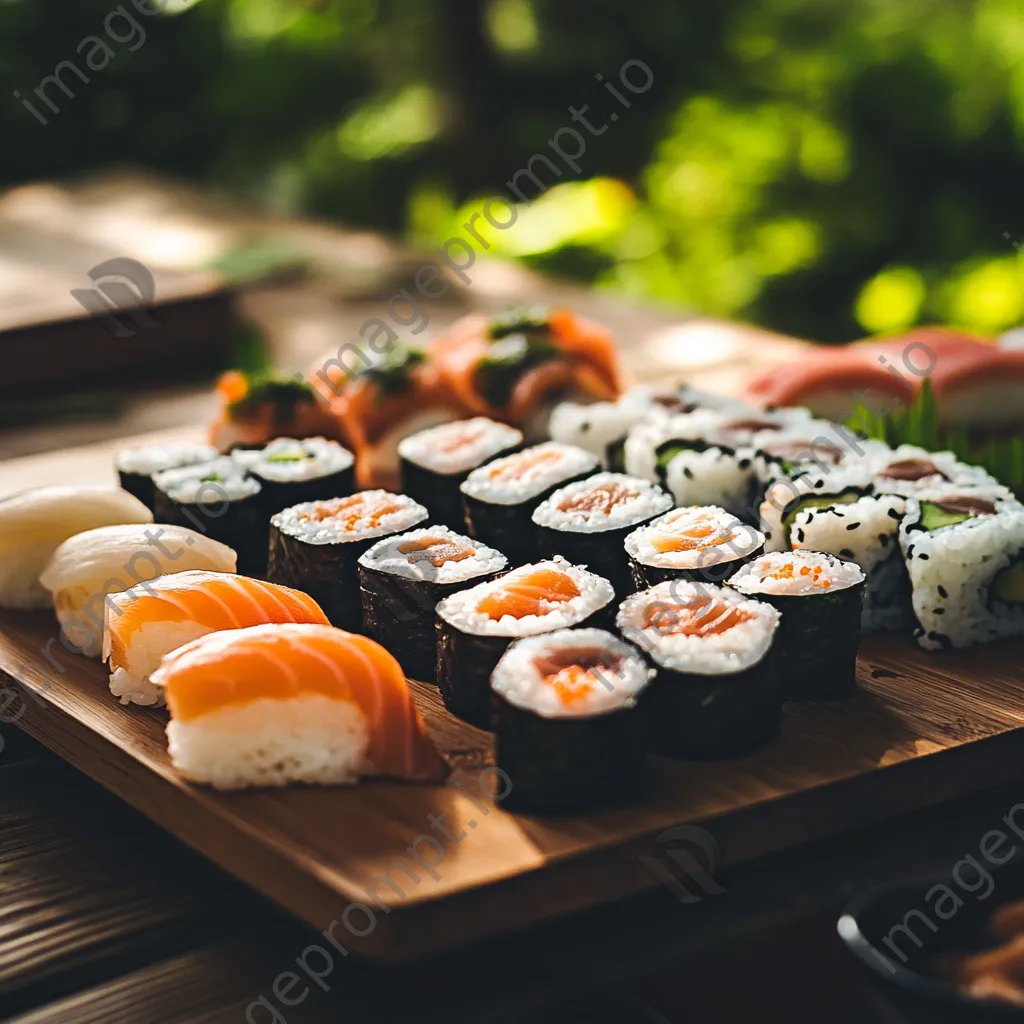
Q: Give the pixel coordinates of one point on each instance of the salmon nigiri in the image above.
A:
(275, 704)
(145, 623)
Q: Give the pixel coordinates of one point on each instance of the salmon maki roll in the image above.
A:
(271, 705)
(154, 618)
(515, 366)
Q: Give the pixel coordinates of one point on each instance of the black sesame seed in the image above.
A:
(744, 463)
(800, 536)
(846, 553)
(938, 611)
(584, 426)
(893, 514)
(910, 551)
(883, 539)
(687, 472)
(942, 591)
(853, 526)
(923, 557)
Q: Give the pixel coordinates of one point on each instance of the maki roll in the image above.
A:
(965, 558)
(821, 598)
(293, 471)
(865, 531)
(692, 544)
(137, 466)
(587, 522)
(910, 471)
(219, 499)
(499, 497)
(316, 546)
(567, 728)
(434, 463)
(401, 580)
(475, 626)
(716, 690)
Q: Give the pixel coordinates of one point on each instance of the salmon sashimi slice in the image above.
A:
(215, 600)
(289, 661)
(435, 550)
(703, 616)
(531, 594)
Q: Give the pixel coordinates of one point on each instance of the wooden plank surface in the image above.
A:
(922, 728)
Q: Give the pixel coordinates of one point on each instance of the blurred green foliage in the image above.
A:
(823, 167)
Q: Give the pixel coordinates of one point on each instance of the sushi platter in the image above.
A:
(457, 677)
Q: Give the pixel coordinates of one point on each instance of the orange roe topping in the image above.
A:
(573, 684)
(532, 594)
(785, 572)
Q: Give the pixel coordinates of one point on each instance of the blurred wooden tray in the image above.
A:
(923, 728)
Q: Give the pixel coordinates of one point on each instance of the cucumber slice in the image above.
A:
(1008, 585)
(934, 517)
(813, 501)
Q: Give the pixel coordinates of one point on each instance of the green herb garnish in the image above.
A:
(393, 373)
(283, 394)
(506, 361)
(919, 425)
(521, 320)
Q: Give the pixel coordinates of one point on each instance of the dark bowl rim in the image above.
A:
(898, 975)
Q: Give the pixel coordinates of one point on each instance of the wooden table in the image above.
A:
(103, 918)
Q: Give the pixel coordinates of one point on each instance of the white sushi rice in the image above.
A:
(302, 520)
(146, 647)
(647, 436)
(952, 570)
(865, 531)
(386, 556)
(33, 524)
(460, 610)
(220, 479)
(287, 460)
(712, 477)
(817, 487)
(621, 676)
(441, 450)
(738, 540)
(310, 739)
(518, 485)
(155, 458)
(117, 559)
(644, 500)
(782, 573)
(733, 650)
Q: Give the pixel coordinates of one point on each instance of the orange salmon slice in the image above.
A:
(356, 513)
(602, 499)
(529, 595)
(705, 616)
(525, 463)
(435, 550)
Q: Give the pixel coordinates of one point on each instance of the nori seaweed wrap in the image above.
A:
(401, 581)
(435, 462)
(475, 626)
(220, 500)
(698, 544)
(588, 521)
(316, 546)
(568, 730)
(821, 598)
(499, 497)
(294, 471)
(716, 692)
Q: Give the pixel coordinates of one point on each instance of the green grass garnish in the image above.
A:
(1003, 457)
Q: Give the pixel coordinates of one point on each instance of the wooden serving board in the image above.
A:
(922, 728)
